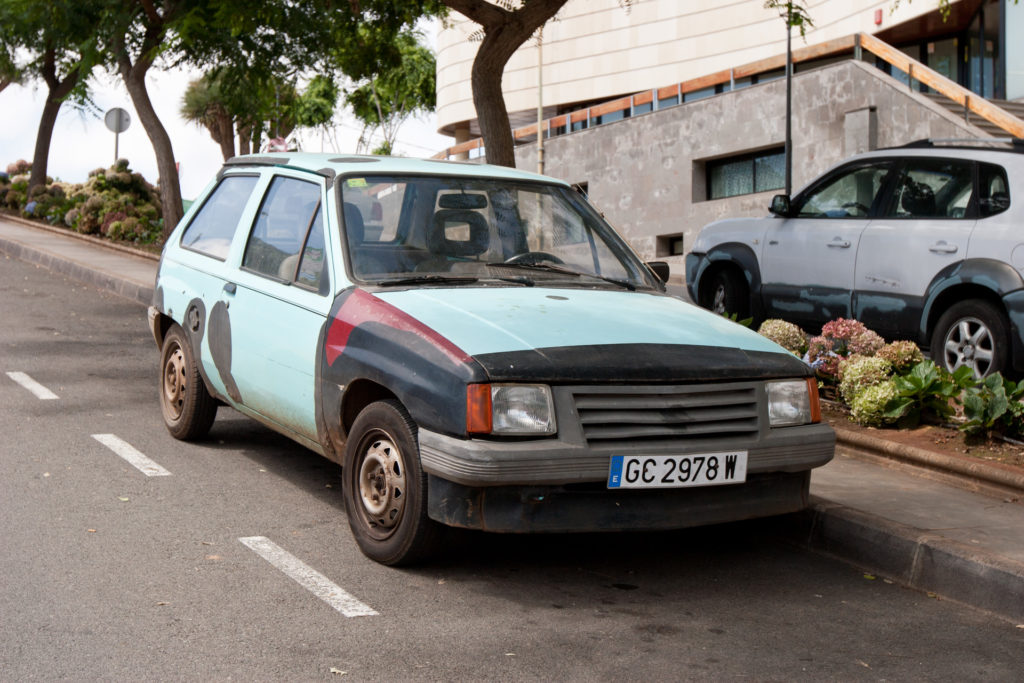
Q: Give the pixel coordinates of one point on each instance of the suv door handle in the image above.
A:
(839, 243)
(943, 248)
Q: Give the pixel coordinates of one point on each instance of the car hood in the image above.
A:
(743, 230)
(573, 335)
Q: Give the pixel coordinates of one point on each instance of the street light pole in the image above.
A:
(789, 100)
(540, 100)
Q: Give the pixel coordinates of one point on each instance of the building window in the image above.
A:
(669, 245)
(758, 172)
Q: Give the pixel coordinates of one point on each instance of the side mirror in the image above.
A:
(780, 205)
(659, 268)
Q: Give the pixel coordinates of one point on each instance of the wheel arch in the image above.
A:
(985, 279)
(359, 394)
(738, 257)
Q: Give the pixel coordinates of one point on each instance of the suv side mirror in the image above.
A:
(659, 268)
(780, 205)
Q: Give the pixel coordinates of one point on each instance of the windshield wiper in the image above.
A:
(426, 279)
(566, 271)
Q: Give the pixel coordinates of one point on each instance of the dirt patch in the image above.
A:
(942, 439)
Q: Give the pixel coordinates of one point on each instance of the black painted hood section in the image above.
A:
(647, 363)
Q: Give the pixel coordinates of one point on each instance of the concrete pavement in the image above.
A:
(959, 544)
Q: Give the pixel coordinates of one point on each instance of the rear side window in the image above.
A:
(933, 188)
(993, 190)
(211, 229)
(287, 240)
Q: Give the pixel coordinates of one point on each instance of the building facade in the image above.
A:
(662, 170)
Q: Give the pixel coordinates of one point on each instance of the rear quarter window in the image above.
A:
(213, 227)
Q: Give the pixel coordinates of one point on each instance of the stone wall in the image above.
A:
(646, 173)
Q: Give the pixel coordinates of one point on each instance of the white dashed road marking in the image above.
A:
(41, 392)
(134, 458)
(307, 577)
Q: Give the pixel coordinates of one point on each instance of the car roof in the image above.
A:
(979, 150)
(332, 165)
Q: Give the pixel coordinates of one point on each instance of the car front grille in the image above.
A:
(615, 416)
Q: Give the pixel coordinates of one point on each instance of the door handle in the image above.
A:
(838, 243)
(230, 288)
(943, 248)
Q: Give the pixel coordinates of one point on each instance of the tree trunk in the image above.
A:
(504, 31)
(134, 77)
(57, 90)
(244, 138)
(226, 135)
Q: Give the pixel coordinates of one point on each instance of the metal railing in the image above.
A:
(650, 100)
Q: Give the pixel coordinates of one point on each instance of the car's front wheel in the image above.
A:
(187, 407)
(972, 333)
(726, 294)
(385, 487)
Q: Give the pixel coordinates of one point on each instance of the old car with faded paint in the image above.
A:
(477, 348)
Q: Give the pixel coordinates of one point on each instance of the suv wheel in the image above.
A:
(726, 294)
(972, 333)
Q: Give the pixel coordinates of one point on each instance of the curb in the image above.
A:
(976, 475)
(912, 557)
(129, 290)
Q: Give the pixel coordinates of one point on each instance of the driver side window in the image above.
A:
(847, 195)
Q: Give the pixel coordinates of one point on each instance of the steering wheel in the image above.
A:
(533, 257)
(856, 205)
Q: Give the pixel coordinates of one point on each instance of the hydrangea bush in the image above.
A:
(868, 405)
(114, 202)
(785, 334)
(857, 373)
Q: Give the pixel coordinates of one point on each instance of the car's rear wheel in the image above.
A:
(187, 407)
(726, 294)
(385, 486)
(972, 333)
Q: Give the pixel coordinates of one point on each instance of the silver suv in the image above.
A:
(921, 242)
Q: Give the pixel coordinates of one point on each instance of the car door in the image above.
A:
(923, 228)
(808, 259)
(278, 301)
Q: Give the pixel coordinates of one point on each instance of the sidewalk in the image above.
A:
(922, 533)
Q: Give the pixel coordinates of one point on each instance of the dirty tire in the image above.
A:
(385, 487)
(972, 333)
(187, 407)
(726, 294)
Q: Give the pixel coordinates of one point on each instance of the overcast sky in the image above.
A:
(81, 141)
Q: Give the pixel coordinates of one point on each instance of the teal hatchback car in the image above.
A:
(477, 348)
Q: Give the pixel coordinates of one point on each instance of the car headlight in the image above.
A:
(509, 409)
(793, 402)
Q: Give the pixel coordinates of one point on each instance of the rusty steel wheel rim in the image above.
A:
(174, 382)
(381, 484)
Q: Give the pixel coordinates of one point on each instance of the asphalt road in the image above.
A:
(110, 574)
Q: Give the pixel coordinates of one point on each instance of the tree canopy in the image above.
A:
(388, 98)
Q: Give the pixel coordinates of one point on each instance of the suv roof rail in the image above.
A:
(1016, 144)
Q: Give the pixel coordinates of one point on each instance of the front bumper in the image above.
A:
(479, 462)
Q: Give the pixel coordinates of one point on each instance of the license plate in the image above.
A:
(675, 471)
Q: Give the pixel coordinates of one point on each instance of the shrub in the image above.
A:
(927, 392)
(857, 373)
(902, 354)
(19, 167)
(993, 404)
(787, 335)
(821, 356)
(869, 406)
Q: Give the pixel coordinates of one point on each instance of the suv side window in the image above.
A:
(933, 188)
(993, 190)
(289, 226)
(850, 194)
(211, 230)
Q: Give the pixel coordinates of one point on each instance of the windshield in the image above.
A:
(403, 230)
